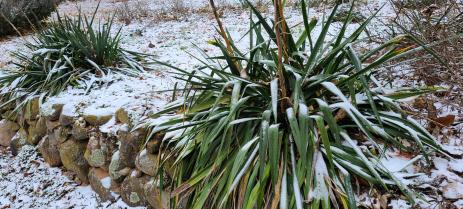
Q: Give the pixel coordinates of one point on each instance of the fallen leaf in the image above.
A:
(419, 103)
(383, 200)
(445, 121)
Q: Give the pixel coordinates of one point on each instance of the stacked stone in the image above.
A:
(122, 163)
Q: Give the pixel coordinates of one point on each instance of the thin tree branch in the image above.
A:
(243, 73)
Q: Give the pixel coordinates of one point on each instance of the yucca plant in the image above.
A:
(290, 124)
(69, 52)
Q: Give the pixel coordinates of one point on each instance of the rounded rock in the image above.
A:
(48, 147)
(72, 157)
(7, 130)
(147, 163)
(156, 197)
(132, 190)
(101, 184)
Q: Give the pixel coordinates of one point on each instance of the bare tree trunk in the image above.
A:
(23, 14)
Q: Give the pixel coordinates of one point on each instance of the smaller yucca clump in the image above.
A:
(68, 52)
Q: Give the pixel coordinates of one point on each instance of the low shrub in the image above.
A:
(18, 15)
(417, 4)
(134, 10)
(439, 25)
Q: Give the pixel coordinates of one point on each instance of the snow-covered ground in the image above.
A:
(26, 181)
(169, 34)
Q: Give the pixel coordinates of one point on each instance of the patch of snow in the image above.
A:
(10, 45)
(459, 203)
(440, 163)
(456, 165)
(454, 150)
(395, 162)
(442, 166)
(100, 111)
(106, 182)
(453, 191)
(399, 204)
(111, 127)
(83, 197)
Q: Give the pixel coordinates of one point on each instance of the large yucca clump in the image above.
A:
(70, 51)
(290, 124)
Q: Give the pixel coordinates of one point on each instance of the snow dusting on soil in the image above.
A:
(26, 181)
(143, 94)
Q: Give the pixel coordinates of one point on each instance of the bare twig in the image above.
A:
(243, 72)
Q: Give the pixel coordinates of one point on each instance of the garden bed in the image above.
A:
(89, 133)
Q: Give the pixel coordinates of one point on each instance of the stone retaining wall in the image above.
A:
(114, 163)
